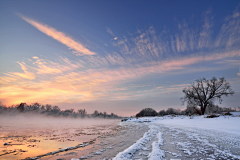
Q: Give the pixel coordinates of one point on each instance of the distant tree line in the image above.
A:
(190, 110)
(50, 110)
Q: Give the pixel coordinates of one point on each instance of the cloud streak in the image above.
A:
(61, 37)
(25, 75)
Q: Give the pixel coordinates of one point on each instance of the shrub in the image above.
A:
(162, 113)
(147, 112)
(212, 116)
(227, 114)
(197, 111)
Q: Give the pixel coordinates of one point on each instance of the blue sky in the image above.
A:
(116, 56)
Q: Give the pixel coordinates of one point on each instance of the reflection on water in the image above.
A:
(30, 137)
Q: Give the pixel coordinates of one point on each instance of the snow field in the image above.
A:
(201, 144)
(227, 124)
(195, 138)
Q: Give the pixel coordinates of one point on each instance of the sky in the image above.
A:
(116, 56)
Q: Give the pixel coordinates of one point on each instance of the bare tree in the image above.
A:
(96, 113)
(56, 109)
(82, 112)
(21, 107)
(48, 107)
(204, 92)
(36, 104)
(42, 107)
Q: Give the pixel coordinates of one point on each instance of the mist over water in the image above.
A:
(42, 120)
(31, 135)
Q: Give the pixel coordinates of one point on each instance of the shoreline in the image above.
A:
(108, 146)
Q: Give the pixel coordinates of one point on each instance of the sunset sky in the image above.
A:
(116, 56)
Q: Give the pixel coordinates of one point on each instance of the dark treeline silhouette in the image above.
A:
(190, 110)
(50, 110)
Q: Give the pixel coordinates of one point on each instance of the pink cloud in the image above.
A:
(60, 36)
(25, 75)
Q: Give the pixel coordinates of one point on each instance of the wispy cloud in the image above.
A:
(110, 31)
(147, 46)
(61, 37)
(50, 67)
(230, 31)
(115, 59)
(37, 67)
(205, 33)
(25, 75)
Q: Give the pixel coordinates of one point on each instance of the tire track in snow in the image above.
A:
(128, 153)
(157, 153)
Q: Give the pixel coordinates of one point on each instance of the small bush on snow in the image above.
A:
(212, 116)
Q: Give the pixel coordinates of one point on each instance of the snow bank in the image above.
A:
(226, 124)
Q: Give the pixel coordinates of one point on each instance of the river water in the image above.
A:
(22, 137)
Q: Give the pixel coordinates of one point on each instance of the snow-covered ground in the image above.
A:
(179, 137)
(226, 124)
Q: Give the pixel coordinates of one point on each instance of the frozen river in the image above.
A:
(22, 137)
